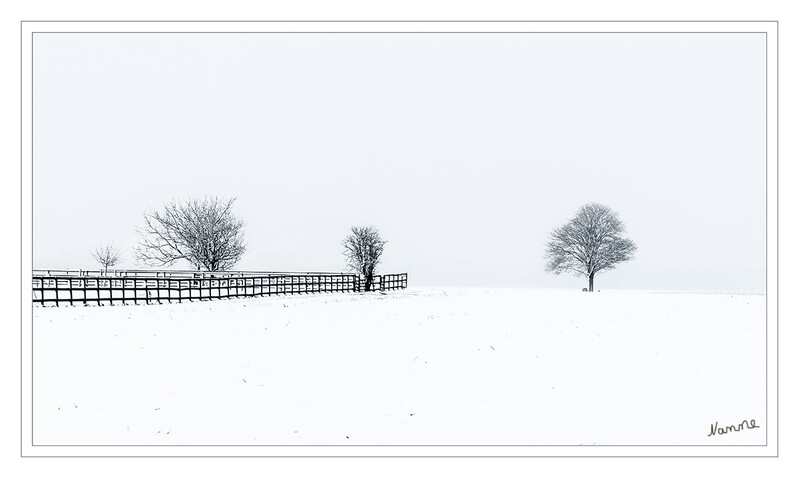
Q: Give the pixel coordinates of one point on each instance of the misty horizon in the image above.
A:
(464, 150)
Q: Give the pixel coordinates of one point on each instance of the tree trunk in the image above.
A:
(591, 282)
(369, 279)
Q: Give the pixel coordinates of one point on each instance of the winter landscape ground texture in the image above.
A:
(413, 367)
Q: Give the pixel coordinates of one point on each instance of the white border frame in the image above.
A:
(770, 450)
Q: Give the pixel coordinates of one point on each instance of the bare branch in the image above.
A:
(589, 243)
(204, 233)
(107, 256)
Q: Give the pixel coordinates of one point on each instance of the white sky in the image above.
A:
(465, 150)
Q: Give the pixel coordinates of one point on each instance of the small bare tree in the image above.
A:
(204, 233)
(590, 243)
(107, 256)
(363, 248)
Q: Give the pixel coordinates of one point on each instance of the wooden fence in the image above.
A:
(147, 287)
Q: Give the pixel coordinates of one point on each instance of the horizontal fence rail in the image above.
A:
(128, 273)
(148, 287)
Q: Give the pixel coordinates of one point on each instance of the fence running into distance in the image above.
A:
(147, 287)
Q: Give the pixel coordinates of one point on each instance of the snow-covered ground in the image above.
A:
(413, 367)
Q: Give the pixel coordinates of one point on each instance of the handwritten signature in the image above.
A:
(715, 429)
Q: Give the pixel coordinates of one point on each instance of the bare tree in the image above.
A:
(363, 248)
(590, 243)
(204, 232)
(107, 255)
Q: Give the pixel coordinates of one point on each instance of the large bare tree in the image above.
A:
(203, 232)
(363, 248)
(590, 243)
(107, 256)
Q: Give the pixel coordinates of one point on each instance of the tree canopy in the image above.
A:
(591, 242)
(203, 232)
(363, 248)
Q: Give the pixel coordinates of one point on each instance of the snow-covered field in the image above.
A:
(414, 367)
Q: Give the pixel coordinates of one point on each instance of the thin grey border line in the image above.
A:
(417, 32)
(395, 33)
(777, 162)
(399, 21)
(392, 456)
(176, 445)
(21, 259)
(766, 33)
